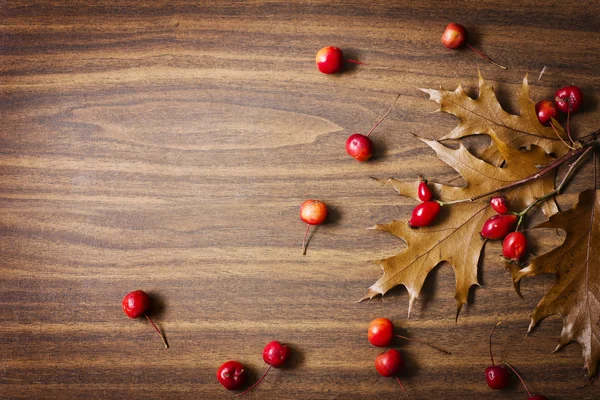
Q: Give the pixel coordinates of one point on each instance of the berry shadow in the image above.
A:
(297, 358)
(379, 149)
(332, 219)
(590, 102)
(158, 307)
(354, 55)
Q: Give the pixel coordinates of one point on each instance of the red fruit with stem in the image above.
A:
(498, 226)
(381, 334)
(424, 214)
(360, 146)
(330, 60)
(390, 364)
(136, 304)
(568, 99)
(455, 36)
(423, 191)
(497, 376)
(313, 212)
(232, 375)
(499, 204)
(545, 111)
(276, 355)
(531, 397)
(514, 246)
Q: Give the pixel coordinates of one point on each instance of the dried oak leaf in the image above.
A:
(485, 115)
(575, 295)
(455, 236)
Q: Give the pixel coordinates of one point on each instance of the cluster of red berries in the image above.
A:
(425, 213)
(232, 374)
(568, 99)
(501, 226)
(389, 363)
(498, 376)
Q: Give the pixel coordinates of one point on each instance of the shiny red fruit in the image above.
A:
(545, 111)
(497, 377)
(381, 332)
(424, 214)
(136, 304)
(232, 375)
(276, 354)
(498, 226)
(359, 146)
(499, 204)
(389, 363)
(313, 212)
(330, 60)
(568, 96)
(424, 192)
(454, 36)
(514, 246)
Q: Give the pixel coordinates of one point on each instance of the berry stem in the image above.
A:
(491, 334)
(256, 383)
(558, 188)
(560, 137)
(304, 240)
(385, 115)
(484, 56)
(518, 376)
(423, 342)
(569, 121)
(402, 386)
(159, 332)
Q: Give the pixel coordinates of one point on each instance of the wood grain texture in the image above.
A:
(167, 145)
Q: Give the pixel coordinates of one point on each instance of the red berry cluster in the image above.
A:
(425, 213)
(232, 374)
(501, 226)
(568, 99)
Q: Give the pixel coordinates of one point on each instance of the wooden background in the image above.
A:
(167, 145)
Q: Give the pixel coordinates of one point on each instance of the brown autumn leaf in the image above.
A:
(485, 115)
(455, 236)
(575, 295)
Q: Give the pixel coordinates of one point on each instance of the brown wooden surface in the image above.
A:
(166, 146)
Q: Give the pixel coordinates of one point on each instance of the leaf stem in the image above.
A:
(553, 165)
(557, 190)
(484, 56)
(385, 115)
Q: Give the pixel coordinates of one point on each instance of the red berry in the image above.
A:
(232, 375)
(514, 246)
(545, 110)
(381, 332)
(454, 36)
(330, 60)
(497, 377)
(498, 226)
(276, 354)
(359, 146)
(424, 192)
(389, 363)
(136, 304)
(424, 214)
(313, 212)
(499, 204)
(568, 97)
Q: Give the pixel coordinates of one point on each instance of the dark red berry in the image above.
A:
(389, 363)
(497, 377)
(381, 332)
(276, 354)
(514, 246)
(454, 36)
(499, 204)
(330, 60)
(359, 146)
(424, 214)
(498, 226)
(232, 375)
(424, 192)
(568, 97)
(545, 110)
(136, 304)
